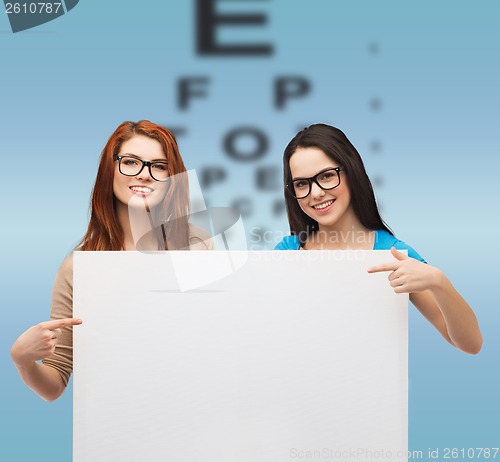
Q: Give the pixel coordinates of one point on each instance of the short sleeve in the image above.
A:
(400, 245)
(62, 307)
(385, 240)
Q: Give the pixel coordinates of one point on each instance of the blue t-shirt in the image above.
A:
(383, 241)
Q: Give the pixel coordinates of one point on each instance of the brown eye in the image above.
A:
(326, 176)
(160, 167)
(300, 184)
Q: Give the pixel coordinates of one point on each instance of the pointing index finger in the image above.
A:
(391, 266)
(59, 323)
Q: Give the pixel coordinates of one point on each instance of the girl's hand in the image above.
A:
(39, 341)
(407, 274)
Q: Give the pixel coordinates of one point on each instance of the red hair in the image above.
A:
(104, 231)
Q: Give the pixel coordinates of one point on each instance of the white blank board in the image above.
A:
(260, 356)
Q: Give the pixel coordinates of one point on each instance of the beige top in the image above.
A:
(62, 305)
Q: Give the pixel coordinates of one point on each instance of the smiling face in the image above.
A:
(141, 189)
(330, 208)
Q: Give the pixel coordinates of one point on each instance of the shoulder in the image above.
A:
(385, 240)
(65, 272)
(62, 291)
(288, 243)
(199, 239)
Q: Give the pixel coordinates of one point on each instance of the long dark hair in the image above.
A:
(335, 145)
(104, 231)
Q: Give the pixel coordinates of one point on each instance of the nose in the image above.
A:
(144, 174)
(316, 191)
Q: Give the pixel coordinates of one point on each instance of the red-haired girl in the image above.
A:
(140, 201)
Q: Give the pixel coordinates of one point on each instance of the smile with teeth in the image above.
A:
(323, 205)
(141, 189)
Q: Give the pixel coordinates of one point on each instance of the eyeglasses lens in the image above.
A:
(131, 166)
(326, 180)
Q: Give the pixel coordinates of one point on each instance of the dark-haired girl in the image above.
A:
(331, 205)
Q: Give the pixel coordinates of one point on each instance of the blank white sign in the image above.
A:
(260, 356)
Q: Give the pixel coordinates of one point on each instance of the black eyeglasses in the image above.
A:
(327, 179)
(132, 166)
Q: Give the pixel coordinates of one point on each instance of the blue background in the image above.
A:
(419, 80)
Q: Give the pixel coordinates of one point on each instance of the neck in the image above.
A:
(137, 223)
(346, 234)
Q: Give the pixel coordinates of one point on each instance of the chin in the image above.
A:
(327, 220)
(141, 202)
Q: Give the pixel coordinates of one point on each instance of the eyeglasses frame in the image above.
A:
(289, 187)
(145, 163)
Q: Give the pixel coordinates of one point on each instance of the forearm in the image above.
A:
(44, 380)
(461, 322)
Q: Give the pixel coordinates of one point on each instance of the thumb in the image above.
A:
(397, 254)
